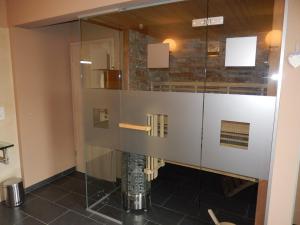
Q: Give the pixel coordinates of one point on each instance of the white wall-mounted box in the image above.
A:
(240, 51)
(158, 56)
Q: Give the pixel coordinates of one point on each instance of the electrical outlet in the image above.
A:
(2, 113)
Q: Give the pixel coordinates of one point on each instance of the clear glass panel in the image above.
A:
(147, 62)
(101, 80)
(149, 49)
(243, 52)
(147, 149)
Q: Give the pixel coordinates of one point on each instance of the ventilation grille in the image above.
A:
(235, 134)
(159, 125)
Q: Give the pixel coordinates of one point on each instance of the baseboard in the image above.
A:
(49, 180)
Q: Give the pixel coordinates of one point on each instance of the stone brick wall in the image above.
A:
(188, 63)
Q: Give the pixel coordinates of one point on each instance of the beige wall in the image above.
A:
(297, 206)
(41, 11)
(8, 127)
(287, 146)
(41, 67)
(3, 14)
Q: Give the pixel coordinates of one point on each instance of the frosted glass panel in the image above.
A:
(101, 117)
(258, 112)
(184, 118)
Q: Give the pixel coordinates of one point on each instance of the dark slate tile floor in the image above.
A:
(179, 197)
(182, 196)
(63, 202)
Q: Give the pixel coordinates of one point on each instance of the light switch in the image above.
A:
(2, 113)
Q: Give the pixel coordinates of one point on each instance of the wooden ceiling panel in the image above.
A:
(175, 19)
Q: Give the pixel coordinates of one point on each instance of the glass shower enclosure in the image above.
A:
(169, 91)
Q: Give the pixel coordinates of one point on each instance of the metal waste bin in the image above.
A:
(14, 194)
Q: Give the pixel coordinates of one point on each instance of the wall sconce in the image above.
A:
(273, 38)
(172, 44)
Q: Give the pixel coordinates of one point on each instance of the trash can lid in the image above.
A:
(12, 181)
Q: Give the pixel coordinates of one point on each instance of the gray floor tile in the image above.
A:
(10, 216)
(71, 218)
(71, 184)
(159, 198)
(193, 221)
(75, 202)
(163, 216)
(103, 220)
(138, 218)
(29, 197)
(30, 221)
(215, 201)
(180, 204)
(151, 223)
(50, 192)
(77, 175)
(115, 200)
(43, 209)
(112, 212)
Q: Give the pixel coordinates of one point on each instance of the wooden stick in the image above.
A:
(134, 127)
(213, 171)
(213, 217)
(261, 202)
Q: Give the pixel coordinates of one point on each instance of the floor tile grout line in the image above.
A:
(29, 215)
(56, 204)
(37, 219)
(25, 216)
(52, 201)
(182, 219)
(167, 199)
(172, 210)
(49, 201)
(88, 217)
(62, 197)
(61, 215)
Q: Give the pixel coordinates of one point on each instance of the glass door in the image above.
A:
(240, 87)
(143, 76)
(243, 51)
(178, 102)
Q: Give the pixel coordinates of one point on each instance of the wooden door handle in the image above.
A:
(134, 127)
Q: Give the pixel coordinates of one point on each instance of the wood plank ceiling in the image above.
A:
(175, 19)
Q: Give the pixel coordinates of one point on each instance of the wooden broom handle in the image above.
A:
(134, 127)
